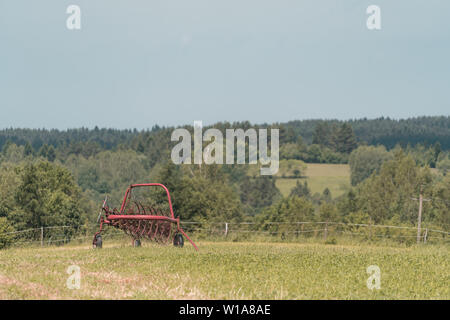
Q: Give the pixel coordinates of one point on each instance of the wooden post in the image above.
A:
(42, 236)
(326, 231)
(226, 229)
(419, 219)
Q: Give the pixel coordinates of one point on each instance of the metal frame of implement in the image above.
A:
(143, 222)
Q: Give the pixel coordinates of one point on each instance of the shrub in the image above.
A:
(6, 238)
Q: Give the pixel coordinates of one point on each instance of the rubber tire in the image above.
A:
(136, 243)
(178, 240)
(98, 242)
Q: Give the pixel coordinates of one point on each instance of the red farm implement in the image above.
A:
(144, 218)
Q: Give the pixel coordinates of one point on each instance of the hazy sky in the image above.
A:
(170, 62)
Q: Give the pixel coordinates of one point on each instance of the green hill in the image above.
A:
(335, 177)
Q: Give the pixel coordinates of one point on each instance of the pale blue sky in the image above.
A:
(170, 62)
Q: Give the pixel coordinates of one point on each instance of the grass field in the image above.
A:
(335, 177)
(226, 270)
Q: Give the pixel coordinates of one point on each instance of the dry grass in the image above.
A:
(335, 177)
(224, 270)
(327, 170)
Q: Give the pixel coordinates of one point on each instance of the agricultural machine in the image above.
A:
(143, 218)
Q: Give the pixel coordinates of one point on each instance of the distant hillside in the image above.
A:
(385, 131)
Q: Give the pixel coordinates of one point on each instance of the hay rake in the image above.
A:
(143, 221)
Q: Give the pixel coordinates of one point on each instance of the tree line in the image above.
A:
(336, 135)
(59, 178)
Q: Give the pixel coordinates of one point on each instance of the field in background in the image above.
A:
(224, 270)
(335, 177)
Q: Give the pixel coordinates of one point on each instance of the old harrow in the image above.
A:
(142, 219)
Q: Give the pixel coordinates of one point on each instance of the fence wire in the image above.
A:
(60, 235)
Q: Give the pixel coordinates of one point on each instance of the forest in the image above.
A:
(60, 177)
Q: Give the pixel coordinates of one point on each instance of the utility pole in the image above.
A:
(419, 218)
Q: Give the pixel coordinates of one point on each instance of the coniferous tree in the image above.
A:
(321, 134)
(51, 153)
(300, 190)
(28, 150)
(326, 195)
(345, 139)
(43, 151)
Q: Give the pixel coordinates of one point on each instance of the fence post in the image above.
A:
(226, 229)
(42, 236)
(326, 231)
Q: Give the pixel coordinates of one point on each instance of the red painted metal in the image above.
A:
(156, 227)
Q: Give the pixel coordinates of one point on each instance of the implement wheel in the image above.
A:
(178, 240)
(98, 242)
(136, 243)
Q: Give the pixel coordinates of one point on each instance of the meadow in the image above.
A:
(335, 177)
(226, 270)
